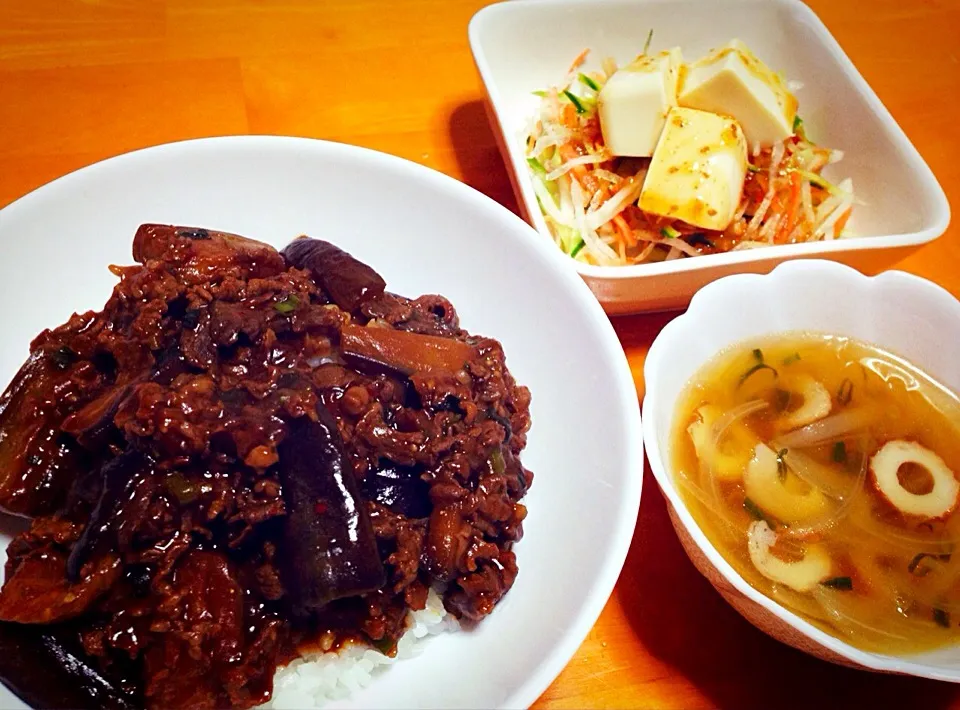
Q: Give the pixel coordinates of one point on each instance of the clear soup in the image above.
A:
(824, 470)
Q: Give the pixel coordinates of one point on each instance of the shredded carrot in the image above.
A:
(581, 173)
(841, 223)
(787, 225)
(581, 58)
(568, 152)
(623, 229)
(755, 189)
(578, 173)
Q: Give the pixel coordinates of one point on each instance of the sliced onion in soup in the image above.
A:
(824, 478)
(839, 426)
(711, 504)
(912, 540)
(843, 612)
(816, 401)
(721, 441)
(778, 492)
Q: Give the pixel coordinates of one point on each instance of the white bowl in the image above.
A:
(523, 46)
(901, 313)
(426, 233)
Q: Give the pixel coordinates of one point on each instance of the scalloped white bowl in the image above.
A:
(901, 313)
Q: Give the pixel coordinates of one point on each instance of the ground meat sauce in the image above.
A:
(244, 453)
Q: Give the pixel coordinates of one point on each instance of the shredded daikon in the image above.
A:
(549, 206)
(607, 175)
(590, 198)
(769, 229)
(757, 220)
(614, 206)
(806, 201)
(681, 246)
(597, 248)
(571, 164)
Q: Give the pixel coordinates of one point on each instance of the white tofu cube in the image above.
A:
(634, 102)
(734, 82)
(698, 169)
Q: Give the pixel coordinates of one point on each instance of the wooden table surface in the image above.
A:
(82, 80)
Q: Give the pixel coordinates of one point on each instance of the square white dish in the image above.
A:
(525, 45)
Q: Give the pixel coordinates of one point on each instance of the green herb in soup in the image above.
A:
(825, 471)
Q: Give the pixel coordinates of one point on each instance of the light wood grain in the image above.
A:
(84, 80)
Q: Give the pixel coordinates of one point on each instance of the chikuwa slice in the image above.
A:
(885, 466)
(725, 453)
(816, 401)
(780, 492)
(801, 575)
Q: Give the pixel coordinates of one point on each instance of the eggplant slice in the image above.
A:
(44, 670)
(348, 281)
(330, 549)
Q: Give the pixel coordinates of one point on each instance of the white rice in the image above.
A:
(317, 678)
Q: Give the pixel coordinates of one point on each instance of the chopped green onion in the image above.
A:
(752, 168)
(540, 92)
(941, 618)
(185, 491)
(752, 509)
(839, 453)
(576, 249)
(756, 368)
(790, 359)
(588, 81)
(537, 167)
(287, 305)
(798, 128)
(843, 584)
(548, 191)
(781, 464)
(757, 513)
(569, 238)
(575, 100)
(497, 464)
(669, 232)
(385, 646)
(540, 202)
(646, 45)
(918, 569)
(845, 393)
(819, 181)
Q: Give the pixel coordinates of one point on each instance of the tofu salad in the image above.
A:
(661, 159)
